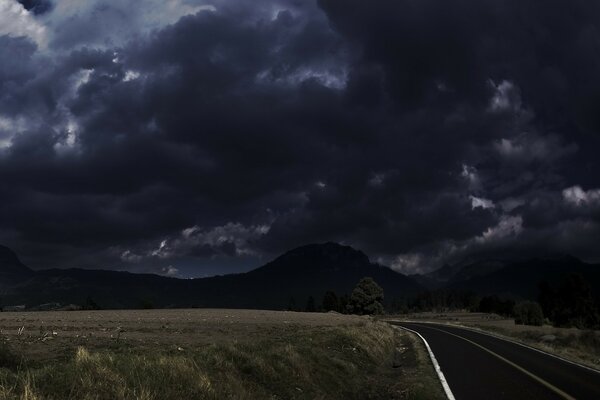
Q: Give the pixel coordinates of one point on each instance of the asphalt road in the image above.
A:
(481, 367)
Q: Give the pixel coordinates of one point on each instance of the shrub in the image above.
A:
(528, 313)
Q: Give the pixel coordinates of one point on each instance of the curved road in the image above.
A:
(482, 367)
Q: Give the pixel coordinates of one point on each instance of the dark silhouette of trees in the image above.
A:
(90, 304)
(310, 305)
(496, 305)
(343, 301)
(146, 304)
(570, 304)
(292, 305)
(445, 299)
(366, 298)
(398, 306)
(330, 302)
(529, 313)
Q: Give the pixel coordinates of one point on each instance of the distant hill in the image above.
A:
(12, 270)
(314, 269)
(450, 274)
(522, 278)
(306, 271)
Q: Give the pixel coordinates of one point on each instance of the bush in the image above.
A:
(529, 313)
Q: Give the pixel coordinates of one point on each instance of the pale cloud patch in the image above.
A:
(511, 203)
(507, 226)
(332, 78)
(469, 173)
(235, 234)
(507, 147)
(115, 22)
(170, 271)
(576, 196)
(68, 140)
(163, 250)
(506, 97)
(131, 76)
(130, 257)
(328, 78)
(16, 21)
(377, 179)
(230, 239)
(531, 146)
(407, 263)
(9, 127)
(479, 202)
(81, 78)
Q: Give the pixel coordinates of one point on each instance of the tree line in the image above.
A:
(366, 299)
(567, 302)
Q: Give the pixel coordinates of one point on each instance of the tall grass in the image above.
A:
(317, 363)
(581, 346)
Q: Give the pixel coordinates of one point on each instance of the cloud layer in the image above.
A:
(196, 137)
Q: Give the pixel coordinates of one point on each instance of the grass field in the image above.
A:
(209, 354)
(582, 346)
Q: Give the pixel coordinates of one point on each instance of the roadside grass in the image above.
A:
(370, 360)
(582, 346)
(421, 381)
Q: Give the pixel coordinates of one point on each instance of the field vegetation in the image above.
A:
(209, 354)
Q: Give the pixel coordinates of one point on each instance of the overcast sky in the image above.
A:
(193, 138)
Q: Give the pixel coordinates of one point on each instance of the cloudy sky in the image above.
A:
(192, 137)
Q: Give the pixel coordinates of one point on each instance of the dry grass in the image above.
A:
(290, 356)
(582, 346)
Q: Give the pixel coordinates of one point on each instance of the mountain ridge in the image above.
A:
(293, 277)
(306, 271)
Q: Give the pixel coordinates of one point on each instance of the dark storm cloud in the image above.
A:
(420, 132)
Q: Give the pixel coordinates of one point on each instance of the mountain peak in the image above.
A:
(330, 250)
(11, 268)
(8, 257)
(319, 257)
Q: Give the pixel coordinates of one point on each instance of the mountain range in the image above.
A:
(293, 277)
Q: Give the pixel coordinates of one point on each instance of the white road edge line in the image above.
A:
(506, 340)
(436, 366)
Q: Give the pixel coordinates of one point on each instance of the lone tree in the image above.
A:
(366, 298)
(330, 302)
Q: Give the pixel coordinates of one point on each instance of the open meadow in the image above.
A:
(209, 354)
